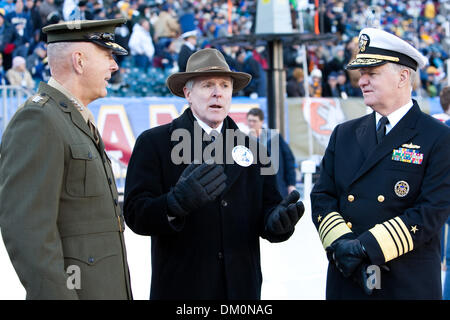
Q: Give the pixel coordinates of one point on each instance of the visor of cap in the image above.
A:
(101, 32)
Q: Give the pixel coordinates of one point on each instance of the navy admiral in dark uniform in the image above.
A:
(383, 192)
(205, 220)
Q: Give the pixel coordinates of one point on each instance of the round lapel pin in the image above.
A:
(401, 188)
(242, 156)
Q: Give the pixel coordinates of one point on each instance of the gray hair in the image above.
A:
(190, 84)
(412, 73)
(56, 52)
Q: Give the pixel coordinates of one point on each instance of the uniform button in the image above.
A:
(63, 104)
(90, 155)
(351, 198)
(224, 203)
(380, 198)
(109, 180)
(91, 260)
(349, 225)
(220, 255)
(116, 202)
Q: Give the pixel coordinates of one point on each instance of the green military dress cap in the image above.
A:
(100, 32)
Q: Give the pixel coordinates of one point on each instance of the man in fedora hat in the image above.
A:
(205, 217)
(382, 196)
(59, 212)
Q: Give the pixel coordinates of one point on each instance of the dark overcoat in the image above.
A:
(393, 197)
(212, 253)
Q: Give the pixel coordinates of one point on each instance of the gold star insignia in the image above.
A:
(414, 229)
(319, 218)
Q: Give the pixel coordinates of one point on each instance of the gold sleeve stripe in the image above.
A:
(393, 238)
(385, 242)
(332, 227)
(405, 232)
(398, 243)
(328, 220)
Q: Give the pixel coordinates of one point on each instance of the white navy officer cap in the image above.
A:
(377, 47)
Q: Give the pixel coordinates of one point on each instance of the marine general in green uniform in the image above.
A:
(59, 212)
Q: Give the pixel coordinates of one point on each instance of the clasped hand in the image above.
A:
(197, 185)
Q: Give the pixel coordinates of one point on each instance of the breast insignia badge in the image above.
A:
(401, 188)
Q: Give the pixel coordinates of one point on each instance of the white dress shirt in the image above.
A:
(394, 117)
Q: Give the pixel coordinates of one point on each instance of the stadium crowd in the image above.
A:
(160, 36)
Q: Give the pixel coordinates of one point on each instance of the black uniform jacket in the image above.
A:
(212, 253)
(394, 197)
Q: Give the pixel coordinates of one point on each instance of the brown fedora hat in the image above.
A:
(206, 62)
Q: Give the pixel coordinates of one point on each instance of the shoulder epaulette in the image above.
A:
(39, 99)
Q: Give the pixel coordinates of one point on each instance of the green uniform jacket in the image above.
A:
(59, 212)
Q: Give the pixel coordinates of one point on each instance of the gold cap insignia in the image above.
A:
(364, 41)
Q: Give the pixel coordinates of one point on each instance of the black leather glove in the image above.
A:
(197, 185)
(348, 254)
(284, 217)
(360, 276)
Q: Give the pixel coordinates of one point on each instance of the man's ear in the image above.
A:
(405, 76)
(187, 94)
(78, 62)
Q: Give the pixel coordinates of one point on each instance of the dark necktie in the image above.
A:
(214, 134)
(381, 131)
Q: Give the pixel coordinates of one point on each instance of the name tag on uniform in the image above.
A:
(407, 155)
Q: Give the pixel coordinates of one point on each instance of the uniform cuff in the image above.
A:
(331, 228)
(387, 241)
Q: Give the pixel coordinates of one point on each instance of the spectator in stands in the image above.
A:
(169, 56)
(35, 63)
(210, 32)
(141, 44)
(343, 84)
(7, 5)
(296, 85)
(166, 26)
(330, 88)
(6, 39)
(18, 75)
(337, 63)
(315, 83)
(431, 83)
(45, 8)
(20, 19)
(81, 12)
(32, 8)
(187, 49)
(248, 64)
(222, 26)
(444, 100)
(3, 79)
(286, 176)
